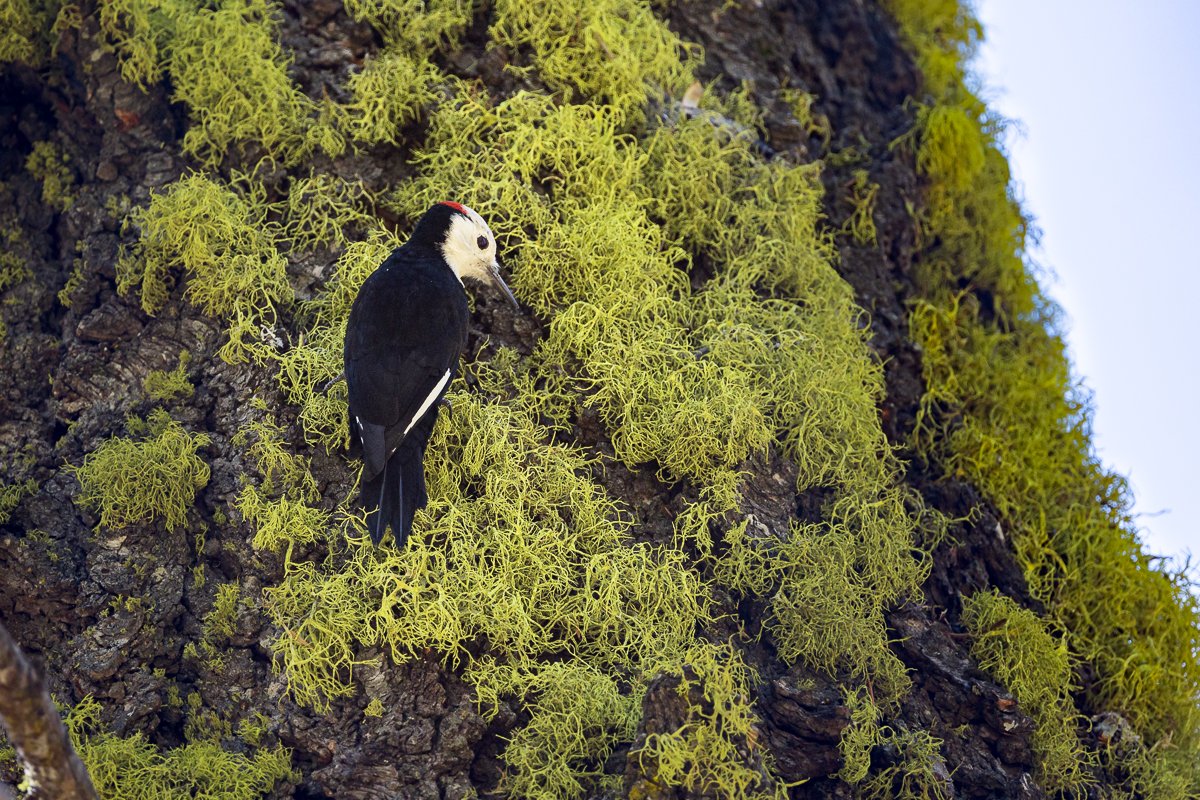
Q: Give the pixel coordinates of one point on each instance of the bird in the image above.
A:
(405, 334)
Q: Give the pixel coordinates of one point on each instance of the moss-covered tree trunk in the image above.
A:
(778, 485)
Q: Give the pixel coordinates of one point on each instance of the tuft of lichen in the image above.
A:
(50, 166)
(162, 386)
(577, 714)
(220, 236)
(914, 767)
(154, 474)
(612, 52)
(417, 26)
(11, 496)
(131, 768)
(716, 750)
(1013, 645)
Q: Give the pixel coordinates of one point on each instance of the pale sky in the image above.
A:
(1107, 97)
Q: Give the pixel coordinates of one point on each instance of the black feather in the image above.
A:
(406, 332)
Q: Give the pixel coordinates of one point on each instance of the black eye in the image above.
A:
(482, 242)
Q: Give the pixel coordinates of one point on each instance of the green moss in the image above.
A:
(1013, 645)
(163, 386)
(716, 750)
(221, 236)
(131, 768)
(49, 165)
(11, 496)
(131, 482)
(1002, 410)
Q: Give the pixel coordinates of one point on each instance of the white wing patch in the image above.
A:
(428, 401)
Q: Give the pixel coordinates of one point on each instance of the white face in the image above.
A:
(470, 248)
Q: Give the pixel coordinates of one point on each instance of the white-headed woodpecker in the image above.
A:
(407, 329)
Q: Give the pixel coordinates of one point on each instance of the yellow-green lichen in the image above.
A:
(1012, 644)
(577, 714)
(609, 51)
(534, 559)
(51, 167)
(23, 30)
(11, 496)
(716, 750)
(154, 475)
(229, 69)
(416, 26)
(916, 768)
(225, 64)
(131, 768)
(220, 236)
(163, 386)
(388, 93)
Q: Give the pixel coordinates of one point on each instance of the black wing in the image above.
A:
(406, 331)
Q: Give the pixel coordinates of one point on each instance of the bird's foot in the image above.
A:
(332, 381)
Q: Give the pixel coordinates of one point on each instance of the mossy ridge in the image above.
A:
(1012, 644)
(1002, 376)
(156, 474)
(131, 768)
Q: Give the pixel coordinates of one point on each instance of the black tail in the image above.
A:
(393, 496)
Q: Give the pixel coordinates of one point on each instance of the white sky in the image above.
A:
(1107, 95)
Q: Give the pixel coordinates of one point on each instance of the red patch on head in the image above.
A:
(456, 206)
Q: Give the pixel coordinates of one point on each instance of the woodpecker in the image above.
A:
(406, 331)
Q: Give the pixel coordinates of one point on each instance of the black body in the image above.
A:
(407, 329)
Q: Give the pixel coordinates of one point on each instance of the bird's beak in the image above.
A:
(494, 272)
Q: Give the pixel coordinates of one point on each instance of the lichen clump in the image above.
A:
(154, 474)
(1014, 645)
(131, 768)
